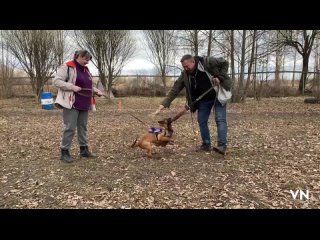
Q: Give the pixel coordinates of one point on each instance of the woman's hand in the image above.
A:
(98, 92)
(76, 88)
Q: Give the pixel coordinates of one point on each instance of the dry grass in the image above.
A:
(274, 148)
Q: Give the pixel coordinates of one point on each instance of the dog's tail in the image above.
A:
(135, 143)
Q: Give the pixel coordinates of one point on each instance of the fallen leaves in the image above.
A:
(273, 148)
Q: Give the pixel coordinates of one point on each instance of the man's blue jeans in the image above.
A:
(204, 110)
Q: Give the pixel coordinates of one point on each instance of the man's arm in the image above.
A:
(226, 81)
(223, 70)
(173, 93)
(219, 68)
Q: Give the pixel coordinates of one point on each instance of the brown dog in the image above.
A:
(155, 136)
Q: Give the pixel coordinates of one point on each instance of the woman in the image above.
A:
(75, 95)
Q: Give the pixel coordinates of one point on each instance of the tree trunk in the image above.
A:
(282, 68)
(250, 66)
(316, 75)
(233, 77)
(240, 89)
(255, 73)
(164, 82)
(304, 74)
(278, 68)
(282, 83)
(109, 89)
(294, 68)
(209, 43)
(196, 42)
(6, 71)
(103, 79)
(232, 55)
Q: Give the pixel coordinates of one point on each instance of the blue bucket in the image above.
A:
(47, 101)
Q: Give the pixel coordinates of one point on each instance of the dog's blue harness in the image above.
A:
(155, 131)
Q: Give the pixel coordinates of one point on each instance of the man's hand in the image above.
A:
(76, 88)
(152, 115)
(159, 109)
(215, 81)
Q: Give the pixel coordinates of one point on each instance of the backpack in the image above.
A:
(223, 95)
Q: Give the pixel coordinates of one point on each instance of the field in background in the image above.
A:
(142, 85)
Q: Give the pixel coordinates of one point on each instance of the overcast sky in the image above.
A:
(139, 62)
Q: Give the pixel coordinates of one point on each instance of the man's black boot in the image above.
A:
(84, 152)
(204, 147)
(220, 149)
(65, 156)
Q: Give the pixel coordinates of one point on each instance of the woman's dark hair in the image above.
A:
(82, 53)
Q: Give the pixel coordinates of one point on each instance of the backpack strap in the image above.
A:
(70, 64)
(67, 79)
(201, 59)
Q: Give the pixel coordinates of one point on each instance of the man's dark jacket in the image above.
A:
(217, 67)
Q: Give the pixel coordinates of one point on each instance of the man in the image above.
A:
(199, 75)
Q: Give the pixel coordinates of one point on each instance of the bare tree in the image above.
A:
(294, 62)
(6, 71)
(59, 45)
(303, 45)
(316, 79)
(279, 60)
(240, 89)
(255, 73)
(39, 53)
(294, 68)
(229, 36)
(160, 43)
(209, 42)
(215, 38)
(193, 40)
(111, 49)
(222, 42)
(232, 55)
(255, 59)
(251, 61)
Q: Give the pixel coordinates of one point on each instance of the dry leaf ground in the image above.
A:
(273, 148)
